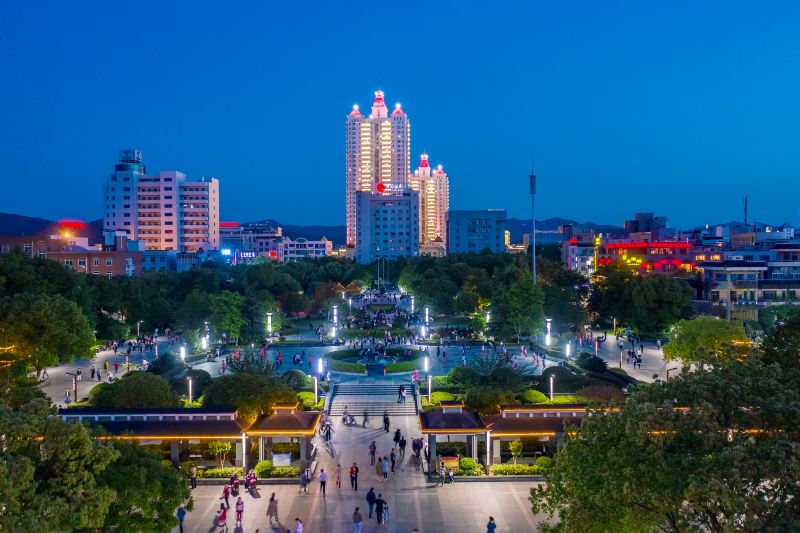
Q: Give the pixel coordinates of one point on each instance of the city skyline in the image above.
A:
(694, 110)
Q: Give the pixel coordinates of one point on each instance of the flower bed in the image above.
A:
(517, 470)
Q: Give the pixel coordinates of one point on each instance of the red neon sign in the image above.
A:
(645, 244)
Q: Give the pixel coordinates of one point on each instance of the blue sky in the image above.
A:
(675, 107)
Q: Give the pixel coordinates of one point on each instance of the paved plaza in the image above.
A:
(413, 501)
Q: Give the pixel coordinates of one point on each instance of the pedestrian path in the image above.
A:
(372, 398)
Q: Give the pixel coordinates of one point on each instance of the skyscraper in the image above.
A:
(165, 212)
(434, 202)
(377, 156)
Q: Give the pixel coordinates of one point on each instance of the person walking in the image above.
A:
(193, 476)
(354, 477)
(379, 503)
(396, 437)
(222, 518)
(356, 521)
(239, 511)
(323, 480)
(442, 473)
(226, 493)
(386, 421)
(379, 470)
(371, 500)
(385, 468)
(272, 509)
(402, 445)
(372, 451)
(366, 417)
(491, 526)
(304, 482)
(180, 514)
(298, 525)
(392, 458)
(339, 476)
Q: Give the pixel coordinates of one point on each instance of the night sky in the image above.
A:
(675, 107)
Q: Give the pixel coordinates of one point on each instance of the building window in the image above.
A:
(109, 275)
(68, 263)
(41, 255)
(82, 263)
(108, 261)
(96, 261)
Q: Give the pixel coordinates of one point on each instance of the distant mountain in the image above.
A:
(518, 227)
(337, 234)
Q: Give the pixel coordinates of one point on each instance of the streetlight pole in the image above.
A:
(74, 385)
(190, 390)
(552, 378)
(532, 178)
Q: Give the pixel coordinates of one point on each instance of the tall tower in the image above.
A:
(377, 155)
(434, 202)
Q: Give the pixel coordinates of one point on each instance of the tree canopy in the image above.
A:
(134, 390)
(707, 340)
(730, 462)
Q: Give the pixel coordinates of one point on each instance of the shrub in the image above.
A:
(618, 370)
(486, 400)
(516, 470)
(200, 380)
(307, 398)
(463, 377)
(603, 393)
(134, 390)
(219, 472)
(285, 471)
(297, 380)
(544, 463)
(437, 397)
(469, 467)
(591, 363)
(569, 398)
(286, 447)
(533, 396)
(515, 447)
(220, 449)
(263, 469)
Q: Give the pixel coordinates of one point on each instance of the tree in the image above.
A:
(134, 390)
(146, 491)
(226, 314)
(220, 449)
(515, 447)
(610, 294)
(707, 340)
(253, 395)
(782, 343)
(658, 301)
(45, 330)
(729, 462)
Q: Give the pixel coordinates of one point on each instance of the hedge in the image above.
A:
(544, 463)
(338, 355)
(285, 471)
(469, 467)
(307, 398)
(341, 366)
(285, 447)
(402, 366)
(437, 397)
(517, 470)
(533, 396)
(219, 472)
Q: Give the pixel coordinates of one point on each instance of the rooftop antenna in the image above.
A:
(532, 178)
(744, 202)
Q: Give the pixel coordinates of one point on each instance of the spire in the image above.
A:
(355, 112)
(439, 169)
(379, 105)
(398, 110)
(423, 161)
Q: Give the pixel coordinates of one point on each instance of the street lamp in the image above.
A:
(204, 342)
(74, 385)
(319, 366)
(138, 323)
(427, 365)
(424, 331)
(532, 178)
(547, 335)
(488, 316)
(316, 390)
(430, 385)
(333, 332)
(615, 325)
(335, 315)
(569, 349)
(427, 311)
(269, 324)
(552, 379)
(190, 390)
(183, 353)
(350, 303)
(412, 304)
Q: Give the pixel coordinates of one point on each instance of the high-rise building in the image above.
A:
(377, 156)
(475, 231)
(387, 225)
(164, 212)
(434, 202)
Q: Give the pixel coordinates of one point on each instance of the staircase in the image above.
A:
(374, 398)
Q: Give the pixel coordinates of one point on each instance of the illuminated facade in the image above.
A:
(387, 225)
(164, 212)
(434, 202)
(377, 156)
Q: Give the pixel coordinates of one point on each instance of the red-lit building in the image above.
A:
(648, 256)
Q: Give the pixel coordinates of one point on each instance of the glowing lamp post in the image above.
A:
(569, 349)
(183, 353)
(412, 304)
(204, 342)
(423, 331)
(552, 379)
(190, 389)
(269, 324)
(547, 335)
(319, 366)
(430, 385)
(343, 295)
(316, 390)
(427, 312)
(488, 317)
(350, 303)
(335, 315)
(427, 365)
(138, 332)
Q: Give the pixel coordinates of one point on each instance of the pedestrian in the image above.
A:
(392, 458)
(303, 482)
(193, 476)
(239, 511)
(91, 376)
(402, 445)
(491, 526)
(180, 515)
(397, 436)
(441, 474)
(400, 393)
(356, 521)
(272, 509)
(371, 500)
(338, 476)
(226, 493)
(379, 470)
(372, 450)
(354, 477)
(379, 503)
(298, 525)
(386, 421)
(366, 417)
(222, 518)
(385, 468)
(323, 480)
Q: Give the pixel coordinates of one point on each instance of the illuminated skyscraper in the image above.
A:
(434, 202)
(377, 156)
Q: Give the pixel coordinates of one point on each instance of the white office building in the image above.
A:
(388, 225)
